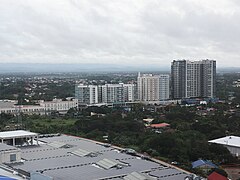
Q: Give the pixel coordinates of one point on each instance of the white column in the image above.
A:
(14, 143)
(37, 140)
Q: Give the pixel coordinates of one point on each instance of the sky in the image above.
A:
(133, 32)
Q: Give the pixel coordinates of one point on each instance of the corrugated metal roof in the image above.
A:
(228, 141)
(200, 163)
(60, 163)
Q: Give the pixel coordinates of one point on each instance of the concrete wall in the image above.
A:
(5, 156)
(234, 150)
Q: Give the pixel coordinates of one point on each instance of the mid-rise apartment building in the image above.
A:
(153, 87)
(87, 94)
(108, 93)
(193, 78)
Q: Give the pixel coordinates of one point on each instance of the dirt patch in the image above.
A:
(233, 172)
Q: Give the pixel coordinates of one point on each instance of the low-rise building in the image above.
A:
(26, 109)
(203, 164)
(216, 176)
(232, 143)
(160, 125)
(236, 83)
(44, 107)
(59, 105)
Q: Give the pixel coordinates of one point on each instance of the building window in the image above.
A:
(13, 157)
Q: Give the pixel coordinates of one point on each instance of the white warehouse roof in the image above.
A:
(228, 141)
(16, 134)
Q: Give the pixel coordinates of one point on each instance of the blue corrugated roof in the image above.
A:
(6, 178)
(201, 162)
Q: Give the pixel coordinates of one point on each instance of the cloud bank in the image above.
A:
(130, 32)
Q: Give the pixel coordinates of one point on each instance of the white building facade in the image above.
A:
(86, 94)
(108, 93)
(153, 87)
(59, 105)
(41, 109)
(9, 154)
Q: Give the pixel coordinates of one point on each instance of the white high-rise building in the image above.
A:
(112, 93)
(86, 94)
(153, 87)
(129, 92)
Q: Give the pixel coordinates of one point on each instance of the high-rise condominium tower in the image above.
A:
(153, 87)
(193, 78)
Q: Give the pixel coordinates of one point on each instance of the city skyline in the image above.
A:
(127, 32)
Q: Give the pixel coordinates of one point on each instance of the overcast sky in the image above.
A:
(119, 31)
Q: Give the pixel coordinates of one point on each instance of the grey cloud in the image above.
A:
(126, 31)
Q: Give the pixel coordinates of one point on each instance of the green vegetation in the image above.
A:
(184, 142)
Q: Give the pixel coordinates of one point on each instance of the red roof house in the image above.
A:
(161, 125)
(216, 176)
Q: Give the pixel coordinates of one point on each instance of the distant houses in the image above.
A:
(216, 176)
(203, 164)
(158, 128)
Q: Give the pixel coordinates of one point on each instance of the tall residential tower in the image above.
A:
(193, 78)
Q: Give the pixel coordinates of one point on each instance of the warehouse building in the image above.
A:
(68, 157)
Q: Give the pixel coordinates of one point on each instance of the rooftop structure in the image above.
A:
(10, 137)
(138, 176)
(148, 120)
(9, 154)
(68, 157)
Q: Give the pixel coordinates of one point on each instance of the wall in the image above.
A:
(5, 156)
